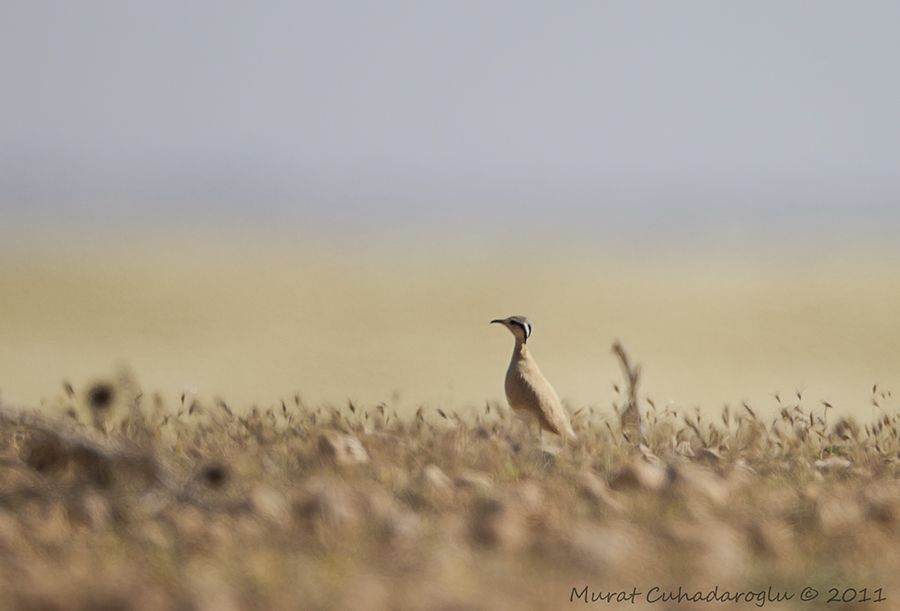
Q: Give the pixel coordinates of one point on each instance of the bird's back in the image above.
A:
(528, 390)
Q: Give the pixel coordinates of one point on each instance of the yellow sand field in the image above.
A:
(256, 321)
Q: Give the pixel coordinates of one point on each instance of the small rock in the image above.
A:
(697, 482)
(832, 464)
(270, 504)
(497, 524)
(326, 502)
(398, 527)
(639, 474)
(342, 448)
(436, 481)
(92, 510)
(474, 480)
(596, 491)
(45, 452)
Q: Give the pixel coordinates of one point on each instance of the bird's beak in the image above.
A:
(497, 320)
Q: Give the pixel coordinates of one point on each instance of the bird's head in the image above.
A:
(519, 326)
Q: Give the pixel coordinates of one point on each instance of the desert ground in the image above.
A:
(254, 321)
(213, 427)
(127, 502)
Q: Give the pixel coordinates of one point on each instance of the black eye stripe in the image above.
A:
(526, 328)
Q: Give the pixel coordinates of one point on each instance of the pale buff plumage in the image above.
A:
(527, 390)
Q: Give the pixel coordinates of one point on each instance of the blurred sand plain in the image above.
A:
(256, 320)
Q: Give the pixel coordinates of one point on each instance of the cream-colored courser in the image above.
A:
(527, 390)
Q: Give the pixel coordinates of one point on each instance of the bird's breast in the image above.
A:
(520, 387)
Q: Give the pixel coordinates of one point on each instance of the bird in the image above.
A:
(527, 390)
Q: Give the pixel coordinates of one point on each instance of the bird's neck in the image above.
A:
(520, 351)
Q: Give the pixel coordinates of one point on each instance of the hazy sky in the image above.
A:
(360, 113)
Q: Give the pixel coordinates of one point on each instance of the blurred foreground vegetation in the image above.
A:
(121, 501)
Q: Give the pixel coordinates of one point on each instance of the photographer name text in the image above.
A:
(757, 598)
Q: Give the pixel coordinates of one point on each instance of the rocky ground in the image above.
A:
(124, 502)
